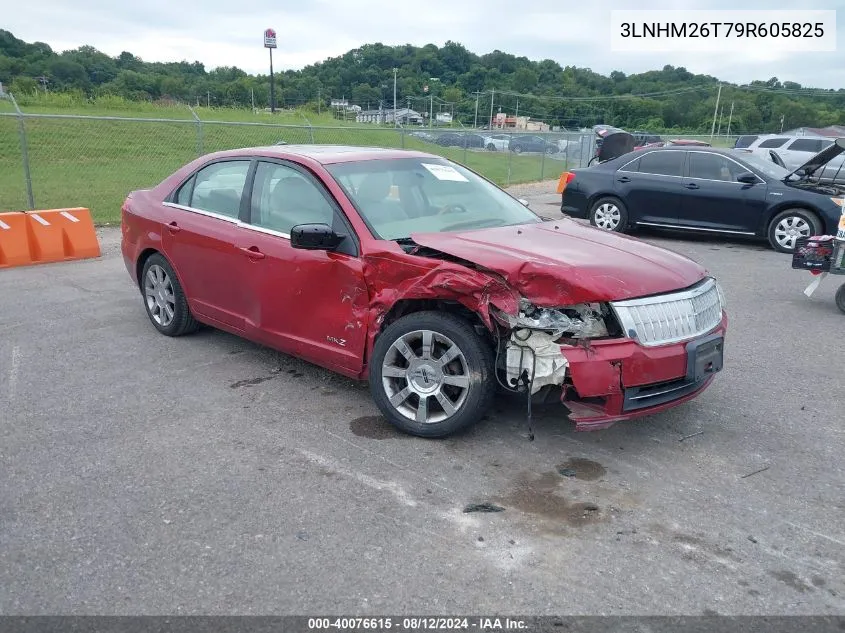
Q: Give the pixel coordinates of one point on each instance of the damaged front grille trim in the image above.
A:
(673, 317)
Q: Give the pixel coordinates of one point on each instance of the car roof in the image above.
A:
(326, 154)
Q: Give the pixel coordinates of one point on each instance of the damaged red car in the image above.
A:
(417, 274)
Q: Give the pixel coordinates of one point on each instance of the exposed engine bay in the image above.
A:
(532, 353)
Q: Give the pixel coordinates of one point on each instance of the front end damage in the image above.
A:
(583, 357)
(589, 356)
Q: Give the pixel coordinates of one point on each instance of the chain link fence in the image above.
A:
(56, 160)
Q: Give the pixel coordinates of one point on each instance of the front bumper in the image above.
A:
(616, 380)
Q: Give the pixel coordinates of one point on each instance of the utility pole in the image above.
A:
(318, 101)
(492, 94)
(781, 123)
(516, 116)
(730, 116)
(475, 121)
(395, 120)
(721, 113)
(252, 98)
(715, 112)
(431, 112)
(208, 99)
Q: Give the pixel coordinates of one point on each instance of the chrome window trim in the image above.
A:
(236, 221)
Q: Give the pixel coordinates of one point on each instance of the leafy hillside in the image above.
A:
(671, 98)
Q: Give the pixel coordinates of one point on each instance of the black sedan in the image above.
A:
(707, 190)
(525, 143)
(453, 139)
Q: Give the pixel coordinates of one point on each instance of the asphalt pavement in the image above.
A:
(206, 475)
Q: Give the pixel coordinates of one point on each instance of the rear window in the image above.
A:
(773, 142)
(662, 163)
(745, 141)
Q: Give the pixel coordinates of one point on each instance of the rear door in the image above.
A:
(715, 200)
(198, 238)
(650, 187)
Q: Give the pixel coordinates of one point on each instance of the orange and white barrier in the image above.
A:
(53, 235)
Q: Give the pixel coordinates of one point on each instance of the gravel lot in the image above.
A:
(145, 475)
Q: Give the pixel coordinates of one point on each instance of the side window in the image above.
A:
(712, 167)
(218, 188)
(811, 145)
(772, 143)
(668, 163)
(282, 197)
(183, 196)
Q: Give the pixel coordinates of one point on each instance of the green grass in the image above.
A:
(94, 163)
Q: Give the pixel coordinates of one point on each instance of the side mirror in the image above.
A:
(747, 177)
(314, 237)
(523, 202)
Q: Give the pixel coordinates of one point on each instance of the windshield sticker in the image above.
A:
(445, 172)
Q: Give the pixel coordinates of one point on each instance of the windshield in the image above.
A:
(400, 196)
(765, 166)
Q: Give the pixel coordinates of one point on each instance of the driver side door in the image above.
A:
(310, 303)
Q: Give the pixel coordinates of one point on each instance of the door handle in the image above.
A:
(252, 252)
(623, 179)
(692, 185)
(173, 227)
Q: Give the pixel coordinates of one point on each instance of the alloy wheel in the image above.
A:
(425, 376)
(159, 295)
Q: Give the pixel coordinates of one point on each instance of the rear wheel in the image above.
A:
(609, 214)
(491, 147)
(164, 299)
(840, 298)
(431, 375)
(788, 226)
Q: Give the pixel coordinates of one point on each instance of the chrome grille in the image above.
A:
(673, 317)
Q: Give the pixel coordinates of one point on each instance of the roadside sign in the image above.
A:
(269, 38)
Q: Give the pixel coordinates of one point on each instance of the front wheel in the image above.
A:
(491, 147)
(431, 374)
(609, 214)
(788, 226)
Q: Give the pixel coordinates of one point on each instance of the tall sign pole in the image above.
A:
(270, 44)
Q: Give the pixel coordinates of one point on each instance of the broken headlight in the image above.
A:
(579, 321)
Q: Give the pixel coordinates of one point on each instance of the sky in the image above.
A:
(226, 33)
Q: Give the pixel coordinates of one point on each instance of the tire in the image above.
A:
(517, 150)
(160, 290)
(609, 214)
(840, 298)
(550, 151)
(491, 147)
(789, 225)
(470, 398)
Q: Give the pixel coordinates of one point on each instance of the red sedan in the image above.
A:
(419, 275)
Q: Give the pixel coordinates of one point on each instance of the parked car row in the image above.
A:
(709, 190)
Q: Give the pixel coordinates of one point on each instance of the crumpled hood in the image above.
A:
(563, 262)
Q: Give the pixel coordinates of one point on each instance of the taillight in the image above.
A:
(565, 178)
